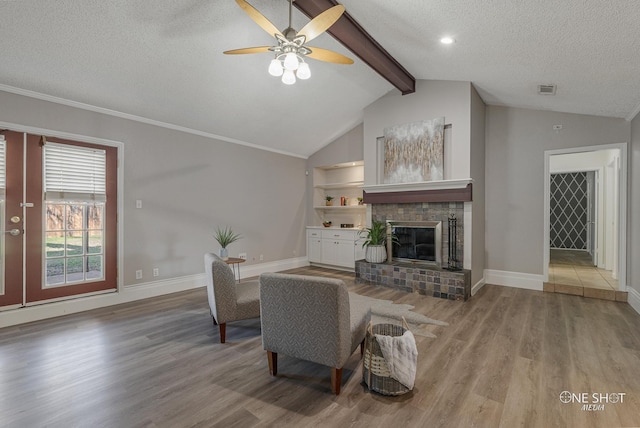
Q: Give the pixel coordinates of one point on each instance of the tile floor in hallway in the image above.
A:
(570, 273)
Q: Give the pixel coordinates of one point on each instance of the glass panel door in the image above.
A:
(58, 248)
(73, 241)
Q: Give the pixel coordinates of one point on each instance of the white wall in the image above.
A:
(478, 114)
(189, 185)
(432, 99)
(607, 188)
(516, 140)
(633, 243)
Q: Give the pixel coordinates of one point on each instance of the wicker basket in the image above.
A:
(375, 372)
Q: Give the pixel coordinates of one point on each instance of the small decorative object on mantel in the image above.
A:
(360, 201)
(225, 237)
(329, 200)
(327, 223)
(452, 263)
(376, 242)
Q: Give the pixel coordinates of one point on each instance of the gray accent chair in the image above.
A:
(228, 300)
(310, 318)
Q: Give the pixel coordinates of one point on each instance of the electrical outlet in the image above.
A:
(138, 203)
(138, 274)
(242, 256)
(261, 257)
(156, 272)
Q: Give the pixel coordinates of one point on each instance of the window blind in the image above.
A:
(3, 166)
(74, 173)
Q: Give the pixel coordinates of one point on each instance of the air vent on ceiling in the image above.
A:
(547, 89)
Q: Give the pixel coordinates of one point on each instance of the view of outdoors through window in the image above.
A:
(74, 242)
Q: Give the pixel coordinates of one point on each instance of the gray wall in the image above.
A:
(189, 185)
(477, 159)
(515, 143)
(432, 99)
(633, 244)
(347, 148)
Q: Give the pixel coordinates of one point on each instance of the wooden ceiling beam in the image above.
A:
(352, 36)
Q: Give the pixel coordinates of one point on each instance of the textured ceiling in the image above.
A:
(163, 60)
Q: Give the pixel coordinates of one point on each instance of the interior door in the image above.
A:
(11, 214)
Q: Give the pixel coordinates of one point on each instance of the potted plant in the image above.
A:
(376, 242)
(225, 237)
(360, 201)
(329, 200)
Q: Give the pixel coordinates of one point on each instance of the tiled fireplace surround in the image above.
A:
(415, 277)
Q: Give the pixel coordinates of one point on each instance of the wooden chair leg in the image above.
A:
(223, 332)
(362, 348)
(272, 357)
(336, 380)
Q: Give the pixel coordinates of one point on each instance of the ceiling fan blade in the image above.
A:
(257, 49)
(328, 56)
(259, 18)
(321, 23)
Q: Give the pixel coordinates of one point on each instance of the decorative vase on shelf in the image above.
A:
(224, 254)
(376, 253)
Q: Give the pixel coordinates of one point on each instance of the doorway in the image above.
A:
(58, 206)
(585, 225)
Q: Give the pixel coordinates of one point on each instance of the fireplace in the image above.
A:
(415, 241)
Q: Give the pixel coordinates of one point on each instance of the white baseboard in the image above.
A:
(513, 279)
(130, 293)
(478, 286)
(277, 266)
(633, 297)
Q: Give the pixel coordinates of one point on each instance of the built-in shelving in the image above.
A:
(349, 185)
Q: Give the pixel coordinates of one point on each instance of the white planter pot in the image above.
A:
(224, 254)
(376, 253)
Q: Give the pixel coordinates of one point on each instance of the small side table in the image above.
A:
(234, 261)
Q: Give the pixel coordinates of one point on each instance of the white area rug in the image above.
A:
(385, 311)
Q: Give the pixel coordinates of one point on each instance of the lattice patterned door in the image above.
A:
(568, 217)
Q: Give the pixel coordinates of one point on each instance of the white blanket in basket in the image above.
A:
(401, 355)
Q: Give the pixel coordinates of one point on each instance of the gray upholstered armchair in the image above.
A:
(310, 318)
(229, 301)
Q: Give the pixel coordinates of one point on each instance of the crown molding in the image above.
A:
(140, 119)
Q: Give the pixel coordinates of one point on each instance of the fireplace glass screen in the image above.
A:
(417, 241)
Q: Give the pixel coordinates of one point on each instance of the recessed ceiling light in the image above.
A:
(447, 40)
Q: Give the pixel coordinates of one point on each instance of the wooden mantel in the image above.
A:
(430, 191)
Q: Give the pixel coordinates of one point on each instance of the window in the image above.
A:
(75, 196)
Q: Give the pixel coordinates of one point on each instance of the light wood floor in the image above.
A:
(503, 362)
(572, 272)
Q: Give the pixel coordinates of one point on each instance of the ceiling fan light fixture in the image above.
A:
(291, 61)
(304, 72)
(275, 68)
(288, 78)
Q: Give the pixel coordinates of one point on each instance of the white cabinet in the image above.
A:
(335, 247)
(314, 246)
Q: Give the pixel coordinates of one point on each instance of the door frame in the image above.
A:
(622, 207)
(120, 197)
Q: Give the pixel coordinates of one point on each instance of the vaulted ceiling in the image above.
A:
(162, 60)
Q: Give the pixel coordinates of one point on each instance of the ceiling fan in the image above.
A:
(291, 49)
